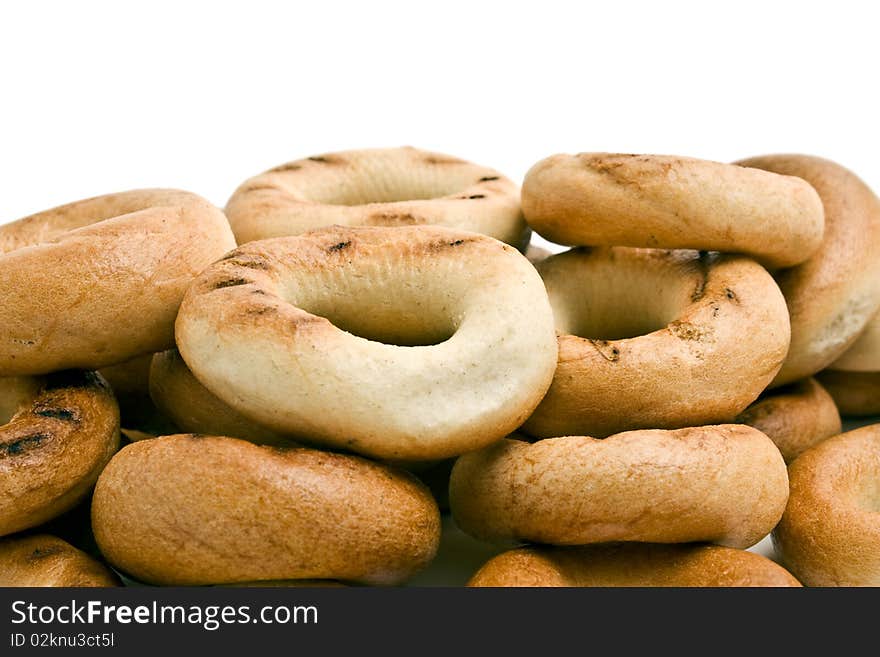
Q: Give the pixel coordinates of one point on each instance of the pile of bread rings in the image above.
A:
(257, 396)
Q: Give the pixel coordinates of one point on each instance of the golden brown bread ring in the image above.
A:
(399, 343)
(857, 394)
(723, 484)
(864, 355)
(832, 295)
(377, 187)
(42, 560)
(795, 417)
(664, 201)
(195, 409)
(72, 278)
(711, 332)
(54, 447)
(830, 532)
(632, 565)
(188, 510)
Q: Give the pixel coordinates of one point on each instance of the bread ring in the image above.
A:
(377, 187)
(857, 394)
(54, 447)
(187, 510)
(830, 532)
(255, 329)
(795, 417)
(194, 408)
(724, 484)
(864, 355)
(832, 295)
(711, 332)
(632, 565)
(44, 560)
(609, 199)
(71, 278)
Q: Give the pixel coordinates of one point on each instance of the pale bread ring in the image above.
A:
(864, 355)
(255, 329)
(795, 417)
(72, 278)
(630, 565)
(377, 187)
(832, 296)
(830, 532)
(42, 560)
(724, 484)
(186, 510)
(194, 408)
(711, 333)
(664, 201)
(54, 446)
(857, 394)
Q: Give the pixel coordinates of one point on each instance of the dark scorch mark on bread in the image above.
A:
(290, 166)
(230, 282)
(63, 414)
(22, 444)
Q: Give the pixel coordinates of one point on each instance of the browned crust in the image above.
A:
(794, 417)
(629, 565)
(706, 366)
(666, 201)
(832, 296)
(90, 266)
(188, 510)
(54, 448)
(42, 560)
(830, 532)
(724, 484)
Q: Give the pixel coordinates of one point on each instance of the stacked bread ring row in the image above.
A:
(645, 388)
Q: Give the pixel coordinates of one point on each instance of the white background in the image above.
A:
(104, 96)
(98, 97)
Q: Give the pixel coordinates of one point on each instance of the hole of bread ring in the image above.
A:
(402, 320)
(611, 306)
(608, 305)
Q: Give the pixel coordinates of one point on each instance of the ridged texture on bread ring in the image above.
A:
(99, 281)
(664, 201)
(857, 394)
(42, 560)
(377, 187)
(54, 447)
(194, 408)
(794, 417)
(712, 331)
(255, 329)
(864, 355)
(188, 510)
(830, 533)
(724, 484)
(632, 565)
(832, 295)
